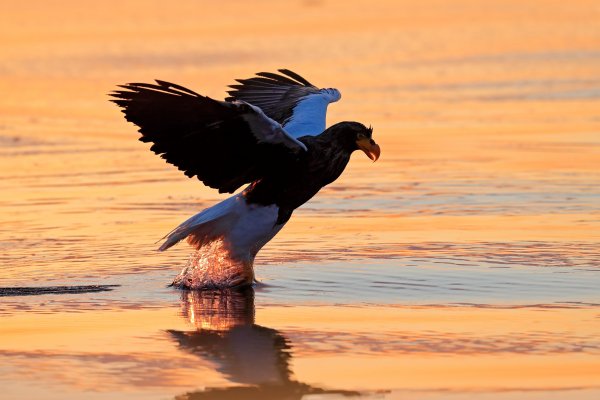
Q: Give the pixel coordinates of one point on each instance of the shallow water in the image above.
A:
(463, 264)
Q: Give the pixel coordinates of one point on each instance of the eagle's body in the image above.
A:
(294, 184)
(271, 131)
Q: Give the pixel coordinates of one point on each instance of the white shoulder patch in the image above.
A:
(268, 130)
(309, 115)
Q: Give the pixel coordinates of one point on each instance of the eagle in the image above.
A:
(268, 135)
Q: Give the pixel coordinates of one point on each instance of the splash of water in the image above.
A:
(214, 267)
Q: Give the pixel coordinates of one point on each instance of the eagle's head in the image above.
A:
(355, 136)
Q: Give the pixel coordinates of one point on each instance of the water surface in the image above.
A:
(463, 264)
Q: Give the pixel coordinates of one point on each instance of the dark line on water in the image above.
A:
(33, 291)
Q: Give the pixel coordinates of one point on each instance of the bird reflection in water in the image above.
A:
(254, 356)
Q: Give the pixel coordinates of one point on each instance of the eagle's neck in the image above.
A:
(329, 157)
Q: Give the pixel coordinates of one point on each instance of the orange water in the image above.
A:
(463, 264)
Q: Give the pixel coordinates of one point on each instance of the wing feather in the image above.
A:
(279, 97)
(296, 77)
(279, 78)
(224, 144)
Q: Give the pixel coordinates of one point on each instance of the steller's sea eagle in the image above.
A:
(268, 134)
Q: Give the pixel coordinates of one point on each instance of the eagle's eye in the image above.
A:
(360, 136)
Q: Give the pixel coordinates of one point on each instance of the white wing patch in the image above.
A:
(268, 130)
(309, 115)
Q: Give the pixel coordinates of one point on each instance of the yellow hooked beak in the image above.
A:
(370, 148)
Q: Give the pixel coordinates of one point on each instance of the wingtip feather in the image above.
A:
(295, 76)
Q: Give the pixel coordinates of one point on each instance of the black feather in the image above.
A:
(278, 78)
(276, 95)
(295, 76)
(206, 138)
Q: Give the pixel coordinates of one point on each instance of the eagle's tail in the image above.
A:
(206, 226)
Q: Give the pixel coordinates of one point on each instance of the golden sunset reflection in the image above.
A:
(462, 264)
(405, 348)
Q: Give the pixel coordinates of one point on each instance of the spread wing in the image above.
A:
(299, 106)
(224, 144)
